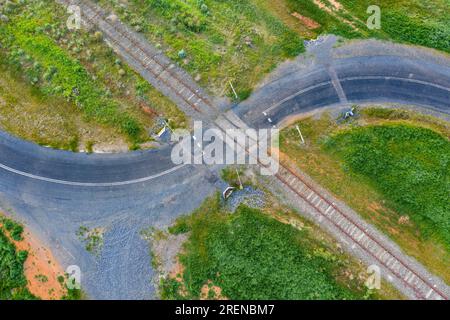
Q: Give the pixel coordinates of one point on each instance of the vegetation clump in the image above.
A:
(250, 255)
(13, 284)
(92, 238)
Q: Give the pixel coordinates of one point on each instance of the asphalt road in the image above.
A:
(54, 212)
(55, 192)
(81, 168)
(377, 79)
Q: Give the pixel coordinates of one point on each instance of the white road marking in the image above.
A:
(337, 85)
(91, 184)
(276, 105)
(294, 95)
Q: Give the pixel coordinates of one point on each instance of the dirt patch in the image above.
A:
(335, 4)
(177, 271)
(110, 147)
(404, 220)
(41, 268)
(166, 248)
(375, 207)
(284, 13)
(210, 291)
(334, 10)
(307, 22)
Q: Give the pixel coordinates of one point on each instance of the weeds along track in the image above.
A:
(413, 280)
(171, 80)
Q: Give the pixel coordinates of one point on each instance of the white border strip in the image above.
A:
(90, 184)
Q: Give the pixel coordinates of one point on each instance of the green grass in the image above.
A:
(234, 40)
(409, 166)
(328, 23)
(388, 165)
(77, 66)
(425, 23)
(250, 255)
(12, 279)
(15, 229)
(74, 294)
(48, 66)
(27, 113)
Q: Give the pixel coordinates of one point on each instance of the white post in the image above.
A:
(240, 182)
(232, 88)
(300, 133)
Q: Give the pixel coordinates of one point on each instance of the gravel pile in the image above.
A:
(124, 249)
(249, 196)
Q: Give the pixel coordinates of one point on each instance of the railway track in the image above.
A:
(422, 288)
(163, 71)
(347, 225)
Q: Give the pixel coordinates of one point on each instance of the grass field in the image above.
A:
(241, 41)
(409, 166)
(259, 254)
(49, 121)
(79, 67)
(216, 41)
(392, 167)
(425, 23)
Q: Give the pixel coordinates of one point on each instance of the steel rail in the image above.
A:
(156, 75)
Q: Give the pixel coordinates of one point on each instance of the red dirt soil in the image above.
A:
(40, 265)
(40, 261)
(307, 22)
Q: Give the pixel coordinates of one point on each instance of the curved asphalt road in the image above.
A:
(363, 79)
(54, 192)
(63, 167)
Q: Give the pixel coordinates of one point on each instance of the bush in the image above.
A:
(14, 228)
(181, 226)
(12, 279)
